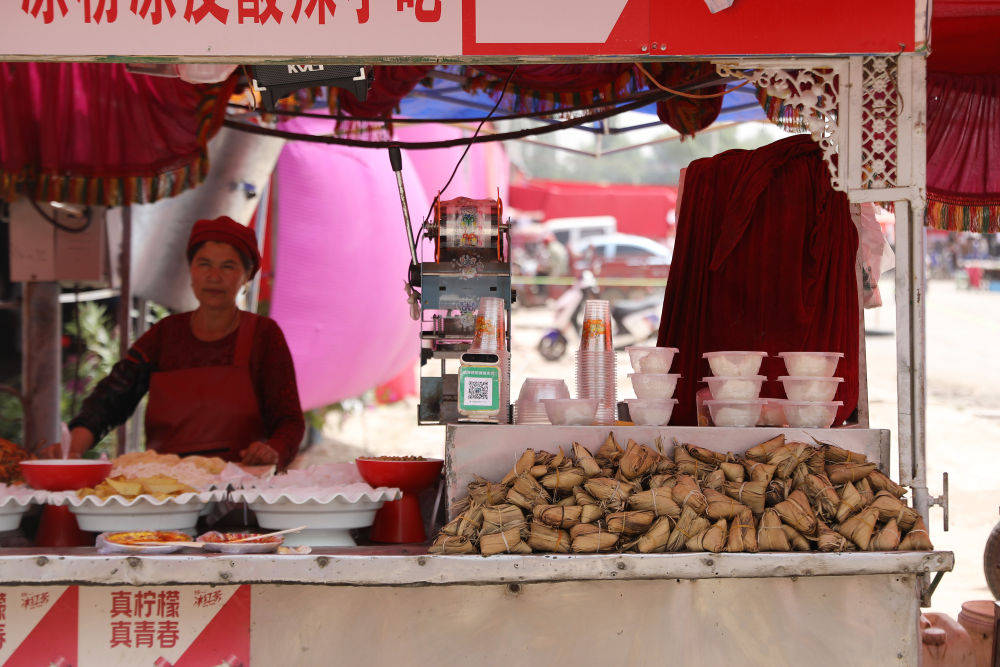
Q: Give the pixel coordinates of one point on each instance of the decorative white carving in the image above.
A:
(881, 105)
(813, 92)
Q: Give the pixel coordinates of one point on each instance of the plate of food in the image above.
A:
(143, 541)
(228, 543)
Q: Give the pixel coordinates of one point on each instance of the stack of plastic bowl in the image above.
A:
(530, 408)
(653, 383)
(491, 338)
(735, 386)
(595, 361)
(810, 388)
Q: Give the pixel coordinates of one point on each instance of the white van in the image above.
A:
(571, 231)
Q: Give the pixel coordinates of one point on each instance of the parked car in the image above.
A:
(623, 256)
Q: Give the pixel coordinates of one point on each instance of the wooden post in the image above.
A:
(41, 325)
(125, 307)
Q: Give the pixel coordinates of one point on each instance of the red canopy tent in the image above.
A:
(646, 210)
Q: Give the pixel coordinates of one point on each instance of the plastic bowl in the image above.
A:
(810, 388)
(773, 413)
(409, 476)
(650, 412)
(64, 474)
(811, 414)
(811, 364)
(654, 386)
(571, 411)
(651, 359)
(735, 364)
(736, 387)
(735, 413)
(534, 390)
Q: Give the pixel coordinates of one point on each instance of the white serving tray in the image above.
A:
(144, 512)
(13, 507)
(328, 515)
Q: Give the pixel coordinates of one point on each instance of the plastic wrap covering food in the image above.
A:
(468, 223)
(200, 472)
(320, 483)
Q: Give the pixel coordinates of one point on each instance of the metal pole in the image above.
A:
(396, 160)
(125, 307)
(41, 324)
(918, 404)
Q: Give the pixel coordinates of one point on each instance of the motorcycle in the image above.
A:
(632, 322)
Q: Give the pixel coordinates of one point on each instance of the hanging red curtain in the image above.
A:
(96, 134)
(763, 260)
(963, 152)
(963, 117)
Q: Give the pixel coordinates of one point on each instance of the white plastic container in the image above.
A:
(811, 364)
(654, 386)
(735, 363)
(810, 388)
(773, 413)
(735, 413)
(735, 388)
(651, 359)
(650, 412)
(811, 414)
(571, 411)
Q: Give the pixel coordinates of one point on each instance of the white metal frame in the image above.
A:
(868, 113)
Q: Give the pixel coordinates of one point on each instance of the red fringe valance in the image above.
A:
(95, 134)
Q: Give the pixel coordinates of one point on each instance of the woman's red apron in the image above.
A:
(210, 411)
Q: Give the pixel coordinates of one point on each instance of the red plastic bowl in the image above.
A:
(408, 476)
(64, 474)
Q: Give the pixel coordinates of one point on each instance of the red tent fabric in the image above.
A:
(963, 114)
(93, 133)
(640, 209)
(769, 266)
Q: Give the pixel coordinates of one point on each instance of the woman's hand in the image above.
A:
(80, 440)
(259, 453)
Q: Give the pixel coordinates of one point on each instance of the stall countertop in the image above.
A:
(412, 566)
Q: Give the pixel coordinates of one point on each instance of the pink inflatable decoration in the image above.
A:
(485, 169)
(341, 265)
(342, 255)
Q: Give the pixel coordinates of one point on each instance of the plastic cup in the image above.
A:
(491, 326)
(596, 333)
(534, 390)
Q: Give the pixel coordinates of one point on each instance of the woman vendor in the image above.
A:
(220, 380)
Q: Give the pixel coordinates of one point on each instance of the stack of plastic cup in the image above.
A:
(596, 375)
(491, 338)
(491, 326)
(529, 408)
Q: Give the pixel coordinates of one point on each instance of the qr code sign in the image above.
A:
(478, 391)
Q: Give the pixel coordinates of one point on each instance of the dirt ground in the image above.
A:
(963, 419)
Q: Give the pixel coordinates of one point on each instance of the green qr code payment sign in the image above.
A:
(479, 388)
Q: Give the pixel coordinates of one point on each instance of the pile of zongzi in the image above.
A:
(778, 496)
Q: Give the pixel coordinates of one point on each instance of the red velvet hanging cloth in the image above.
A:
(763, 260)
(96, 134)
